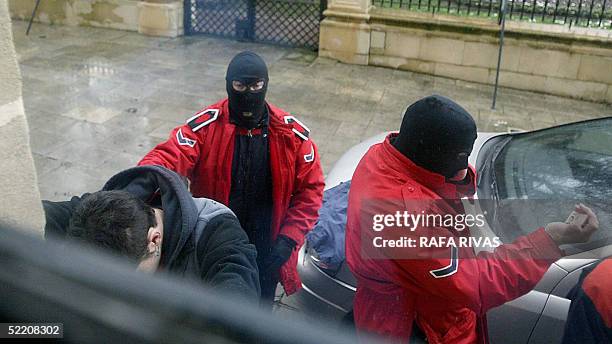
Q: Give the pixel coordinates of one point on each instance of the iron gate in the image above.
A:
(282, 22)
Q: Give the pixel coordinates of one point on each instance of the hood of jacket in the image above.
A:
(157, 183)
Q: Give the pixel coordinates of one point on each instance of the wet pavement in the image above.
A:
(97, 100)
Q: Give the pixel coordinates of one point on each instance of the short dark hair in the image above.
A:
(114, 220)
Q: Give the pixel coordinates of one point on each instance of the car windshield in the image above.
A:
(540, 175)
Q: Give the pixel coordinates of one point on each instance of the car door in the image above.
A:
(551, 323)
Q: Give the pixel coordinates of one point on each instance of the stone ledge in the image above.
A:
(345, 56)
(112, 14)
(345, 12)
(348, 42)
(160, 19)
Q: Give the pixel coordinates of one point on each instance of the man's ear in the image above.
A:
(151, 240)
(154, 237)
(156, 234)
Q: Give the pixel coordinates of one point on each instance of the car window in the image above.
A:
(540, 176)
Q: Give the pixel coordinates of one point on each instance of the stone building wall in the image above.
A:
(19, 195)
(550, 59)
(151, 17)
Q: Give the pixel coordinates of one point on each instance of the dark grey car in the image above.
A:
(568, 162)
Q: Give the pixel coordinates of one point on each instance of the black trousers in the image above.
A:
(268, 284)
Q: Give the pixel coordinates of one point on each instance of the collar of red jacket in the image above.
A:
(275, 125)
(433, 181)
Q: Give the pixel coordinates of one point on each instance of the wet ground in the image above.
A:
(97, 100)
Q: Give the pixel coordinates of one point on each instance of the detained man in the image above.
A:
(445, 289)
(147, 215)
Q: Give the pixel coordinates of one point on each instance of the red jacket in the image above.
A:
(203, 149)
(447, 297)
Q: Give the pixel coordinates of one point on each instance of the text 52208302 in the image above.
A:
(31, 330)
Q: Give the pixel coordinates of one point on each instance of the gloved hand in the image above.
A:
(280, 253)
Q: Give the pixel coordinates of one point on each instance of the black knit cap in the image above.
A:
(435, 131)
(247, 67)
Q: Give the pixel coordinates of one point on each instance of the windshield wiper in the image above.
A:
(487, 167)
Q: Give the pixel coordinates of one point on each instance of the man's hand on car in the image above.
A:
(571, 233)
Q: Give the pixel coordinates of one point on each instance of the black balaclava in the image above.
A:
(247, 109)
(434, 132)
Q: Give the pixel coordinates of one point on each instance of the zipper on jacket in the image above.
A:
(247, 177)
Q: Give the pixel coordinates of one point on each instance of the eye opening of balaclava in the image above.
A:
(247, 108)
(437, 134)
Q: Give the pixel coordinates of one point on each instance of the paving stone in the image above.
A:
(87, 154)
(504, 123)
(92, 114)
(68, 180)
(351, 129)
(131, 142)
(373, 130)
(44, 121)
(43, 142)
(543, 117)
(162, 132)
(44, 164)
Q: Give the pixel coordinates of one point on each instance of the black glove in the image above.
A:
(280, 253)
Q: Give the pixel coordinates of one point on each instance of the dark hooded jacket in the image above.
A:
(202, 238)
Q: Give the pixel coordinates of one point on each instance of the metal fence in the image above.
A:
(282, 22)
(586, 13)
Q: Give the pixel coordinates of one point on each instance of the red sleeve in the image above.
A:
(598, 291)
(513, 270)
(487, 280)
(179, 153)
(307, 196)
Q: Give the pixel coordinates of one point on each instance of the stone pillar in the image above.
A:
(160, 18)
(19, 196)
(345, 31)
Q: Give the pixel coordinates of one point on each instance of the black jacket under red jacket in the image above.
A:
(590, 316)
(203, 150)
(203, 239)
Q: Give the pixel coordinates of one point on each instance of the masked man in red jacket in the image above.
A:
(445, 289)
(258, 160)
